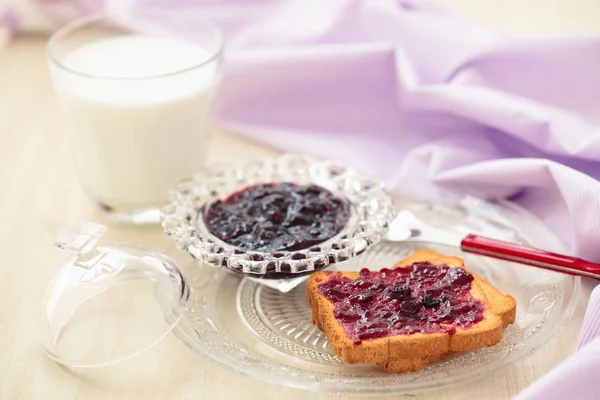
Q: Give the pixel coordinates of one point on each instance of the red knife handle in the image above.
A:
(530, 256)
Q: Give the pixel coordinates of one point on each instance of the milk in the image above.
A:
(138, 126)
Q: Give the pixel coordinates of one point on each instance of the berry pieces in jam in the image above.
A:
(277, 217)
(421, 298)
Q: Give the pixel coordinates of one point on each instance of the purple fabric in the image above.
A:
(9, 20)
(430, 103)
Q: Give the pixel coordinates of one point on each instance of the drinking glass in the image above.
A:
(137, 96)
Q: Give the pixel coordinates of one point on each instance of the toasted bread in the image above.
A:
(402, 353)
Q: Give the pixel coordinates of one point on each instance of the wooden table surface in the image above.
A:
(40, 195)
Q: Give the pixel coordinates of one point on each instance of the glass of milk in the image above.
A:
(137, 98)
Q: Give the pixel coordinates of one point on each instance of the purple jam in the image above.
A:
(421, 298)
(277, 217)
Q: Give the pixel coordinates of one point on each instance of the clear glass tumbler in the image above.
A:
(137, 95)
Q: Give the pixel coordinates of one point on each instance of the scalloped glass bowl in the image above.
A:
(372, 210)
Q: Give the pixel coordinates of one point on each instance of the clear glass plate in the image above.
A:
(266, 334)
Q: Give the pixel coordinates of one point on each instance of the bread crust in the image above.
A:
(404, 353)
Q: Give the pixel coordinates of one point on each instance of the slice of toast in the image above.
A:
(402, 353)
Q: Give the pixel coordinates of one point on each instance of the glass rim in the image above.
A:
(82, 22)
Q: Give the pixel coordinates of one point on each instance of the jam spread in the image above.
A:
(277, 217)
(421, 298)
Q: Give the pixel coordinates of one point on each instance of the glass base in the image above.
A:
(135, 216)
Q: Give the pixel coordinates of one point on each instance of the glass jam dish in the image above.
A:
(188, 218)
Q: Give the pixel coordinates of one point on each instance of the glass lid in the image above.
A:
(109, 303)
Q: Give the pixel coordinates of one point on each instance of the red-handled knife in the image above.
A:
(408, 227)
(530, 256)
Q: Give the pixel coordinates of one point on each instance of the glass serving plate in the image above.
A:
(267, 334)
(371, 210)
